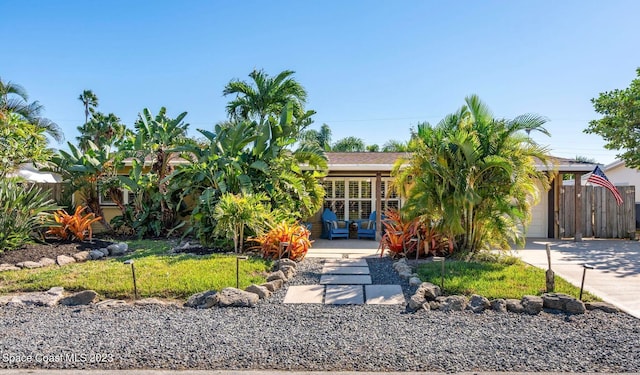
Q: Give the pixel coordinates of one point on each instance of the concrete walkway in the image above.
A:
(616, 277)
(345, 278)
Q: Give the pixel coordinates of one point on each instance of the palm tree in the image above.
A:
(320, 137)
(473, 177)
(89, 101)
(264, 96)
(349, 144)
(101, 129)
(14, 99)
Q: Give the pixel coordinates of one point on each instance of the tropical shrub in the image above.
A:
(76, 226)
(397, 234)
(474, 176)
(24, 209)
(296, 235)
(234, 213)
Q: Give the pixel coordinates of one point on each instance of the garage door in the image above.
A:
(539, 218)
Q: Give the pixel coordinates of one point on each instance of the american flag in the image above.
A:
(599, 178)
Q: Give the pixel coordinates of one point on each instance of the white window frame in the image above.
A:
(347, 199)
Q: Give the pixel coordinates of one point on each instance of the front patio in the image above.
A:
(340, 248)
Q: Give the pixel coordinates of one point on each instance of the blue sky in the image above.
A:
(373, 69)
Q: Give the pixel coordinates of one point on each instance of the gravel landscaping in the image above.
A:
(316, 337)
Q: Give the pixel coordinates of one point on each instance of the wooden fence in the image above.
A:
(601, 216)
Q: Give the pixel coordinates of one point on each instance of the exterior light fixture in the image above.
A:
(238, 259)
(133, 273)
(441, 260)
(584, 272)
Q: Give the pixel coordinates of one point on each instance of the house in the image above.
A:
(357, 184)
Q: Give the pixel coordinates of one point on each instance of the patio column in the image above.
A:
(378, 206)
(578, 204)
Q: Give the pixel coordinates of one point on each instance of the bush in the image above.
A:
(24, 209)
(295, 234)
(76, 226)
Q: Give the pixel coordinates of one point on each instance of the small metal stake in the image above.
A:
(418, 246)
(238, 259)
(133, 273)
(440, 259)
(584, 272)
(281, 248)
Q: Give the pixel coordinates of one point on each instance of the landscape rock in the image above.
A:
(201, 300)
(84, 297)
(430, 291)
(46, 262)
(415, 281)
(48, 298)
(286, 262)
(110, 303)
(81, 256)
(96, 254)
(4, 300)
(278, 275)
(532, 304)
(64, 260)
(415, 302)
(273, 285)
(499, 305)
(232, 297)
(8, 267)
(454, 303)
(426, 306)
(434, 305)
(602, 306)
(289, 271)
(261, 291)
(149, 301)
(118, 248)
(478, 303)
(575, 306)
(563, 302)
(29, 264)
(104, 251)
(405, 274)
(514, 305)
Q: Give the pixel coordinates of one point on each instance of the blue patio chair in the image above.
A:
(333, 227)
(367, 228)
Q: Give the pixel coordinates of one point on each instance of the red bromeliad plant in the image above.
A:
(433, 242)
(76, 226)
(401, 234)
(295, 234)
(398, 233)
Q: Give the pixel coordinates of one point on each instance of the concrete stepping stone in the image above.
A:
(345, 279)
(304, 294)
(342, 270)
(384, 294)
(360, 262)
(344, 295)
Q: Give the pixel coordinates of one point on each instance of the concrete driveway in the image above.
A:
(616, 277)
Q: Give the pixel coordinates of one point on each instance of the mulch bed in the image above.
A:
(50, 249)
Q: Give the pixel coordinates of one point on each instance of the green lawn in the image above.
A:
(158, 274)
(494, 280)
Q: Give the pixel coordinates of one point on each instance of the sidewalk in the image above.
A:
(616, 277)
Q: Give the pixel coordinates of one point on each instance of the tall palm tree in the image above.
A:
(89, 101)
(14, 99)
(264, 96)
